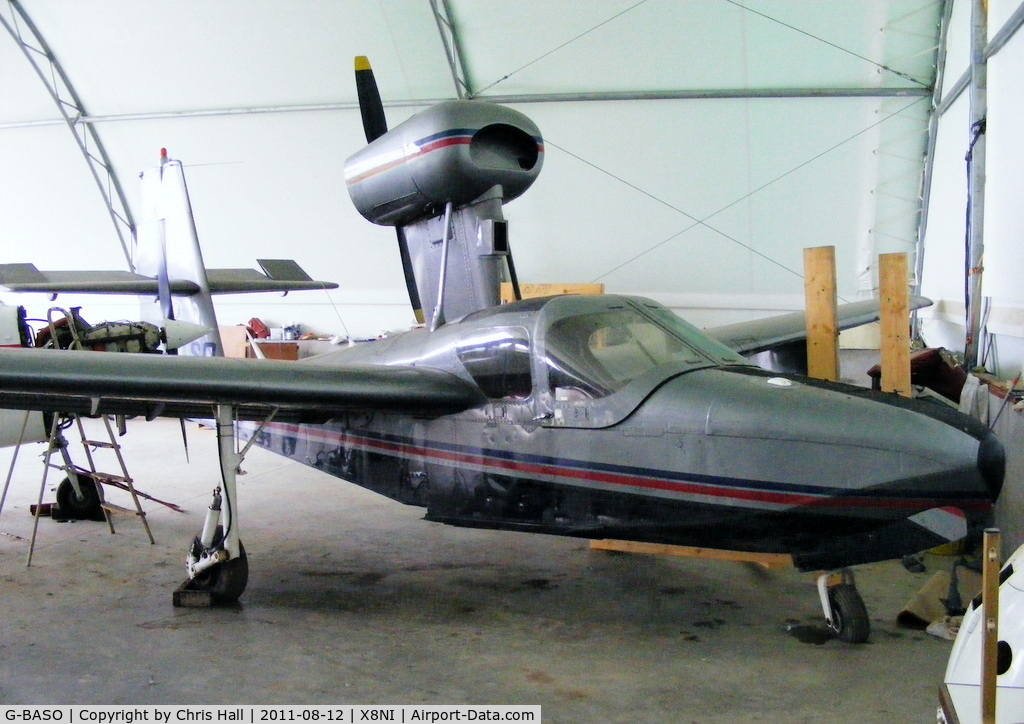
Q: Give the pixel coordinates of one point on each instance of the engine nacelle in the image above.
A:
(451, 152)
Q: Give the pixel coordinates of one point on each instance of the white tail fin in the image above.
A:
(168, 249)
(168, 268)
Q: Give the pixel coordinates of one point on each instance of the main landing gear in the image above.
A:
(212, 570)
(845, 612)
(217, 565)
(78, 498)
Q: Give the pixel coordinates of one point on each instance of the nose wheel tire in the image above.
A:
(850, 622)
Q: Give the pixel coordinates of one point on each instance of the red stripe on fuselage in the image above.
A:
(569, 475)
(420, 152)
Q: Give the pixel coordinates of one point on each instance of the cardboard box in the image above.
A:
(235, 341)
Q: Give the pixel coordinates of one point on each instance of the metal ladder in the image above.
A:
(76, 473)
(57, 443)
(123, 481)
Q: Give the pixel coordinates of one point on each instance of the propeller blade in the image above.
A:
(512, 276)
(375, 124)
(410, 276)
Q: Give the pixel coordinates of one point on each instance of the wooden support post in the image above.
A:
(822, 324)
(990, 641)
(545, 290)
(895, 323)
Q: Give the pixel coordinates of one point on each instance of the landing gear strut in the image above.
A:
(210, 570)
(218, 567)
(845, 612)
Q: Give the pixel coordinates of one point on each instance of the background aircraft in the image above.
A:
(175, 291)
(591, 416)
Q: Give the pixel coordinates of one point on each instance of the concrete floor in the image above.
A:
(353, 599)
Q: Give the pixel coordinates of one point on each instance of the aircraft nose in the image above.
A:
(879, 455)
(992, 464)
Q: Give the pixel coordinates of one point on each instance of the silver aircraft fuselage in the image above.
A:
(610, 417)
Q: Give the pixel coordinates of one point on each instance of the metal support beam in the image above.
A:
(1009, 29)
(976, 180)
(452, 47)
(24, 32)
(929, 157)
(700, 94)
(664, 95)
(1001, 38)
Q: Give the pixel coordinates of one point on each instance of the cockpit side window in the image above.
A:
(599, 353)
(499, 361)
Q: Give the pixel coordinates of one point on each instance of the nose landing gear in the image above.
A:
(845, 612)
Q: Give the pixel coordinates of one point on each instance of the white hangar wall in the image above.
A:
(944, 243)
(702, 203)
(707, 205)
(714, 228)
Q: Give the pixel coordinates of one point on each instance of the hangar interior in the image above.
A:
(692, 151)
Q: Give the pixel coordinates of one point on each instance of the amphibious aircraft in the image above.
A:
(600, 416)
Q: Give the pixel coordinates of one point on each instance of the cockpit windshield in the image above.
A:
(598, 352)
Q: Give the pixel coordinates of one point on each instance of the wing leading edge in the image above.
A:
(763, 334)
(170, 386)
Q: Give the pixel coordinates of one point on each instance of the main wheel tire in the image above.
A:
(225, 581)
(850, 620)
(86, 507)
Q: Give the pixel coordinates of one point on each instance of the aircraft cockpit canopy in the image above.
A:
(597, 350)
(584, 361)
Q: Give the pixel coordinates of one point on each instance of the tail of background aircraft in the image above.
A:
(167, 247)
(169, 268)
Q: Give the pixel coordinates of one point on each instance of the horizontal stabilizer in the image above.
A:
(27, 278)
(760, 335)
(287, 277)
(241, 281)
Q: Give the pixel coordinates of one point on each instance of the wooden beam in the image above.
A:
(546, 290)
(766, 560)
(822, 323)
(895, 323)
(990, 564)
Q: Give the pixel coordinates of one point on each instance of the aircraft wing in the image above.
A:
(153, 385)
(282, 276)
(764, 334)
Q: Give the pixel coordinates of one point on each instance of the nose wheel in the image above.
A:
(845, 612)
